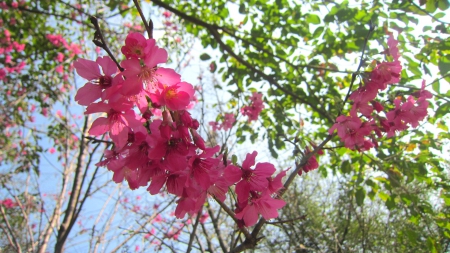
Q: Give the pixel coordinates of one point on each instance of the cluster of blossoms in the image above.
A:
(254, 109)
(166, 152)
(227, 123)
(7, 46)
(356, 130)
(8, 203)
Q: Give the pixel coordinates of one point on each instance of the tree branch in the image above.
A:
(149, 25)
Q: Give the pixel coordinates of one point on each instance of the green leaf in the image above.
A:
(442, 110)
(318, 32)
(443, 5)
(431, 243)
(444, 65)
(205, 57)
(360, 195)
(242, 9)
(346, 168)
(436, 86)
(431, 6)
(313, 19)
(234, 159)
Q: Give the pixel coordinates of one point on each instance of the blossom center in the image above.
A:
(105, 82)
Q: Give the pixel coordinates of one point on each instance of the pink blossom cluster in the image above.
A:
(360, 129)
(8, 203)
(227, 123)
(58, 40)
(14, 4)
(312, 162)
(254, 109)
(7, 46)
(166, 152)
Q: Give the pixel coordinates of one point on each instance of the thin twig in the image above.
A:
(100, 41)
(194, 229)
(361, 62)
(149, 25)
(231, 214)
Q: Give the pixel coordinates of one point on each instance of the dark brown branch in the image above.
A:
(216, 229)
(70, 214)
(194, 230)
(231, 214)
(100, 41)
(94, 140)
(303, 217)
(361, 62)
(149, 25)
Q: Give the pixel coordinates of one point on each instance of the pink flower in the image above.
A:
(393, 49)
(275, 184)
(60, 69)
(262, 204)
(120, 117)
(135, 46)
(98, 81)
(175, 97)
(56, 39)
(365, 93)
(145, 76)
(386, 73)
(424, 94)
(215, 125)
(8, 203)
(60, 57)
(310, 165)
(254, 109)
(228, 121)
(253, 179)
(345, 124)
(201, 168)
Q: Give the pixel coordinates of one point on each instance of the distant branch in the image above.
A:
(427, 13)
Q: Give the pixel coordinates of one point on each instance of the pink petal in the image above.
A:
(132, 86)
(156, 55)
(108, 66)
(264, 169)
(87, 69)
(249, 160)
(179, 102)
(97, 107)
(186, 87)
(250, 215)
(132, 67)
(156, 184)
(167, 77)
(88, 94)
(99, 126)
